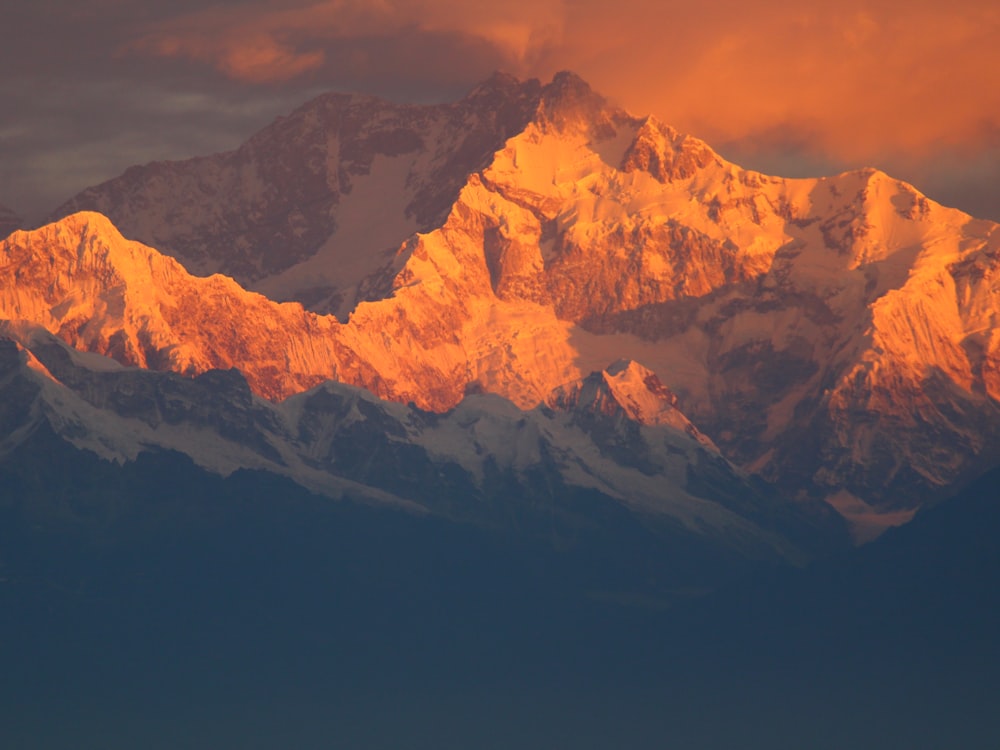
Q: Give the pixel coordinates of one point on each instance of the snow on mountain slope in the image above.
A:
(117, 412)
(765, 302)
(81, 280)
(629, 390)
(832, 334)
(342, 441)
(313, 207)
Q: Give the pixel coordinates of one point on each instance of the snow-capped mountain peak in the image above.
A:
(628, 390)
(529, 234)
(666, 154)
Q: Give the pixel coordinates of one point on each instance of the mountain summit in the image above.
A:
(834, 335)
(314, 207)
(625, 390)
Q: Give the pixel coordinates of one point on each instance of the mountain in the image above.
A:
(227, 520)
(244, 611)
(80, 279)
(9, 221)
(314, 207)
(833, 335)
(484, 463)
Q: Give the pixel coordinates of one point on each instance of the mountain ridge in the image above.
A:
(340, 441)
(777, 310)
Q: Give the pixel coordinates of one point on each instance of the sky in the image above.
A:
(90, 87)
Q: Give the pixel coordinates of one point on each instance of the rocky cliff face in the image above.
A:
(835, 335)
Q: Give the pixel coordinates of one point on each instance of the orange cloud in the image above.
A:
(254, 57)
(861, 78)
(869, 79)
